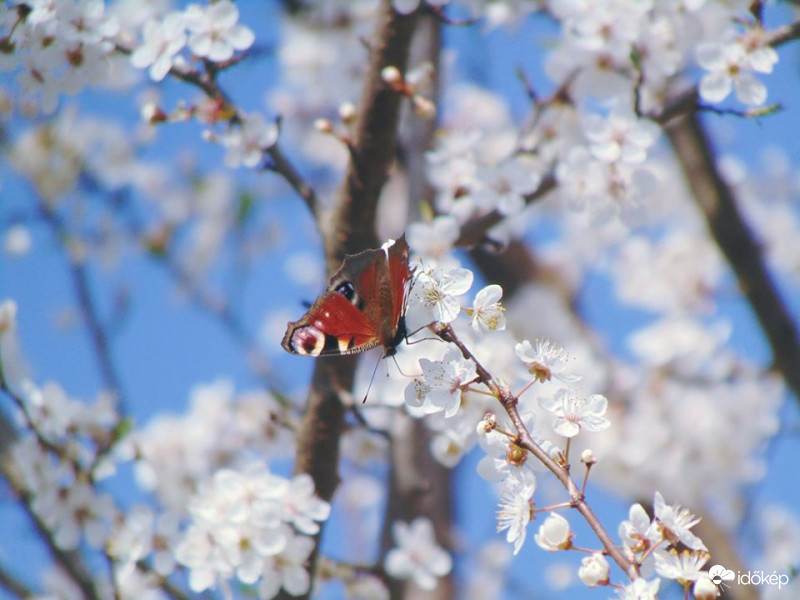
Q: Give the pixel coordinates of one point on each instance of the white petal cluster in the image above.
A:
(247, 141)
(210, 30)
(241, 527)
(676, 523)
(176, 454)
(214, 30)
(58, 47)
(70, 507)
(441, 385)
(732, 66)
(575, 412)
(640, 589)
(515, 511)
(505, 187)
(653, 543)
(162, 43)
(594, 570)
(434, 296)
(416, 555)
(545, 360)
(433, 239)
(487, 312)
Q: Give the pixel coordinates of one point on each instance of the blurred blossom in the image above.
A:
(416, 555)
(17, 240)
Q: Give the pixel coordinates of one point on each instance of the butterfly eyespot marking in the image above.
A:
(308, 341)
(348, 290)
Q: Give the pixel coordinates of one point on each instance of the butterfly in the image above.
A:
(361, 309)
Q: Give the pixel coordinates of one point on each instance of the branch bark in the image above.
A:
(736, 241)
(348, 229)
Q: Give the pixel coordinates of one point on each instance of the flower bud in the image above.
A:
(704, 588)
(588, 458)
(487, 424)
(392, 75)
(554, 534)
(594, 570)
(347, 112)
(423, 107)
(152, 113)
(323, 126)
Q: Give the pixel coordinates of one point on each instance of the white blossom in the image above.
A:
(240, 525)
(246, 142)
(506, 460)
(487, 312)
(639, 533)
(442, 384)
(514, 513)
(506, 186)
(619, 137)
(676, 522)
(301, 508)
(545, 360)
(433, 239)
(575, 412)
(215, 33)
(287, 570)
(417, 556)
(640, 589)
(163, 40)
(683, 566)
(704, 588)
(730, 66)
(434, 296)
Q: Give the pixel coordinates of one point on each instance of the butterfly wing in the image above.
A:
(361, 308)
(333, 325)
(399, 275)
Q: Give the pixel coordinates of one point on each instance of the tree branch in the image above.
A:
(349, 229)
(736, 241)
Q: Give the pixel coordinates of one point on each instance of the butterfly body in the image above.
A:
(361, 309)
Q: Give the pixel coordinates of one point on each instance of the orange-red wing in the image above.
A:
(399, 274)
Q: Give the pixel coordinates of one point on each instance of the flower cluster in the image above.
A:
(58, 46)
(655, 543)
(254, 526)
(211, 32)
(417, 556)
(174, 455)
(451, 382)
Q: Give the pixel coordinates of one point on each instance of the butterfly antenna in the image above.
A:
(372, 379)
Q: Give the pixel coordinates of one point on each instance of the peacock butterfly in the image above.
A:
(361, 309)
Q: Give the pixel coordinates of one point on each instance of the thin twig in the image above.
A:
(526, 441)
(88, 306)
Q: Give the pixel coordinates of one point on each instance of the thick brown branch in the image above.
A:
(349, 229)
(375, 138)
(737, 242)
